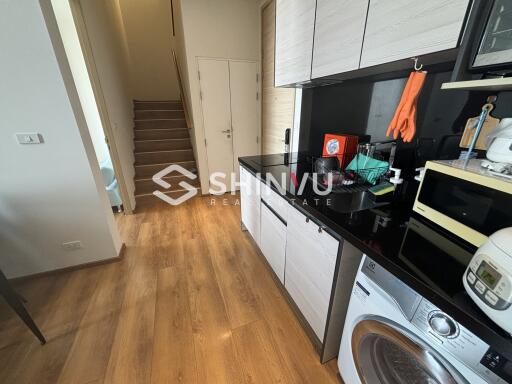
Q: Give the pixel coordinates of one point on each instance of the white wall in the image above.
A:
(181, 54)
(49, 193)
(81, 76)
(104, 29)
(221, 29)
(148, 29)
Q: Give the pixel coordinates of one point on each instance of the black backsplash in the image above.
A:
(365, 107)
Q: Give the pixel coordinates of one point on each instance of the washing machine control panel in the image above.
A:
(445, 332)
(498, 364)
(443, 325)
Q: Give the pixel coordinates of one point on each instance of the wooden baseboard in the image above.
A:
(71, 268)
(121, 252)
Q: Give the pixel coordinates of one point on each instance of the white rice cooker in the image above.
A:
(500, 143)
(488, 278)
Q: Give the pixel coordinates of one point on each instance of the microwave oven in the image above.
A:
(465, 199)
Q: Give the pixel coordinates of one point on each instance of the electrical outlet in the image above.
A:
(72, 245)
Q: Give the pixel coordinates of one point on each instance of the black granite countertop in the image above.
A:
(423, 256)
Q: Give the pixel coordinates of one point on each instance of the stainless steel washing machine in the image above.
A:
(392, 335)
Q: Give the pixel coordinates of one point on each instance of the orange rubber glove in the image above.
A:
(408, 130)
(393, 125)
(404, 121)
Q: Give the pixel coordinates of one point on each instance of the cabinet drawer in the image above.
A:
(273, 241)
(310, 262)
(274, 201)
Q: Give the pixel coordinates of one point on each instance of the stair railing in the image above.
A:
(182, 93)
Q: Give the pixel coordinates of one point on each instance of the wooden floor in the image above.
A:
(191, 302)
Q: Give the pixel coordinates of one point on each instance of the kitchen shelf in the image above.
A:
(503, 84)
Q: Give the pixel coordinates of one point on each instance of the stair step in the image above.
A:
(152, 199)
(162, 145)
(158, 157)
(171, 104)
(143, 171)
(145, 114)
(160, 123)
(144, 186)
(161, 134)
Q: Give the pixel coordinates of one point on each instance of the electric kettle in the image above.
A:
(500, 143)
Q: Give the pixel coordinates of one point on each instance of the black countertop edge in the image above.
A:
(498, 341)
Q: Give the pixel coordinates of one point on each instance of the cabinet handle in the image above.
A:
(307, 219)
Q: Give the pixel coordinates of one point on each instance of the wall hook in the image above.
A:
(416, 66)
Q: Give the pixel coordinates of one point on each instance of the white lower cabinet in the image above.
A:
(250, 203)
(273, 240)
(301, 253)
(310, 263)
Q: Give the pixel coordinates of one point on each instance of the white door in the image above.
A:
(244, 109)
(215, 101)
(229, 99)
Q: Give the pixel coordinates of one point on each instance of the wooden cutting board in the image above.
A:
(489, 124)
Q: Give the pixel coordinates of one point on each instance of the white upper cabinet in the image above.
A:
(399, 29)
(295, 24)
(339, 31)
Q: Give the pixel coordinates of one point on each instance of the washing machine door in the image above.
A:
(385, 353)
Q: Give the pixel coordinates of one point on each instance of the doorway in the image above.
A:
(79, 51)
(230, 106)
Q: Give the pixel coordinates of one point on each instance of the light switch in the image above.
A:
(29, 138)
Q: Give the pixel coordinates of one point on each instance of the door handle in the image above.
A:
(226, 131)
(286, 140)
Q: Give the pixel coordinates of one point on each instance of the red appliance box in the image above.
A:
(344, 147)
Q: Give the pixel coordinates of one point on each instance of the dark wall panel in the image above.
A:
(365, 107)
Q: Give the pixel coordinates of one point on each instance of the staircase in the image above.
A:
(161, 139)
